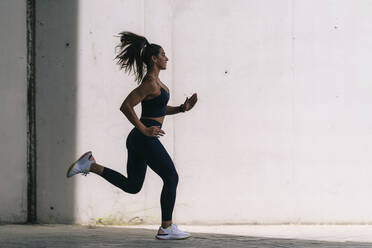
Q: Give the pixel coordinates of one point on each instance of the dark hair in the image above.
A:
(135, 52)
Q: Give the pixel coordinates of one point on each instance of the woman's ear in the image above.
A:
(154, 59)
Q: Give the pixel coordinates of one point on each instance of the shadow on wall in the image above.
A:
(56, 91)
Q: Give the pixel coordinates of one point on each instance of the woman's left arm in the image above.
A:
(186, 106)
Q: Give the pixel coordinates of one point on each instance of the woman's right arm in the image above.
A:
(136, 96)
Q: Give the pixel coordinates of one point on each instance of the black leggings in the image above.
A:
(142, 151)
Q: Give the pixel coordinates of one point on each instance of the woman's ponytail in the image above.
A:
(135, 52)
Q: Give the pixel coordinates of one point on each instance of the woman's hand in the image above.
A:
(190, 102)
(153, 131)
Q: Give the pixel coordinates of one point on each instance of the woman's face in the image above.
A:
(161, 60)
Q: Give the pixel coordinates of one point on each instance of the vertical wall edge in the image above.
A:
(31, 125)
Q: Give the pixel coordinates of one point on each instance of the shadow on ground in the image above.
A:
(92, 236)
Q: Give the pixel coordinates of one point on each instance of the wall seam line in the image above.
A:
(31, 110)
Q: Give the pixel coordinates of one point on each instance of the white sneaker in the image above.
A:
(82, 165)
(172, 232)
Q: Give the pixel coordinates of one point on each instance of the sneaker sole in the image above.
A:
(161, 238)
(73, 164)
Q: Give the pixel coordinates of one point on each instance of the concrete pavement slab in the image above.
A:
(144, 236)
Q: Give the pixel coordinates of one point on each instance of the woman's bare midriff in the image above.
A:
(158, 119)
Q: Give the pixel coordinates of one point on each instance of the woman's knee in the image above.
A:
(175, 178)
(172, 180)
(134, 188)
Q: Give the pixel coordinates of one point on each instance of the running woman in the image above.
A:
(144, 148)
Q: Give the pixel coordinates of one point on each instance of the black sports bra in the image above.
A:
(156, 107)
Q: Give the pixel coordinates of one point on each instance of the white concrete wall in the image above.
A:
(13, 112)
(281, 132)
(285, 134)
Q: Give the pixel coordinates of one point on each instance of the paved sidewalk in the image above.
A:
(143, 236)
